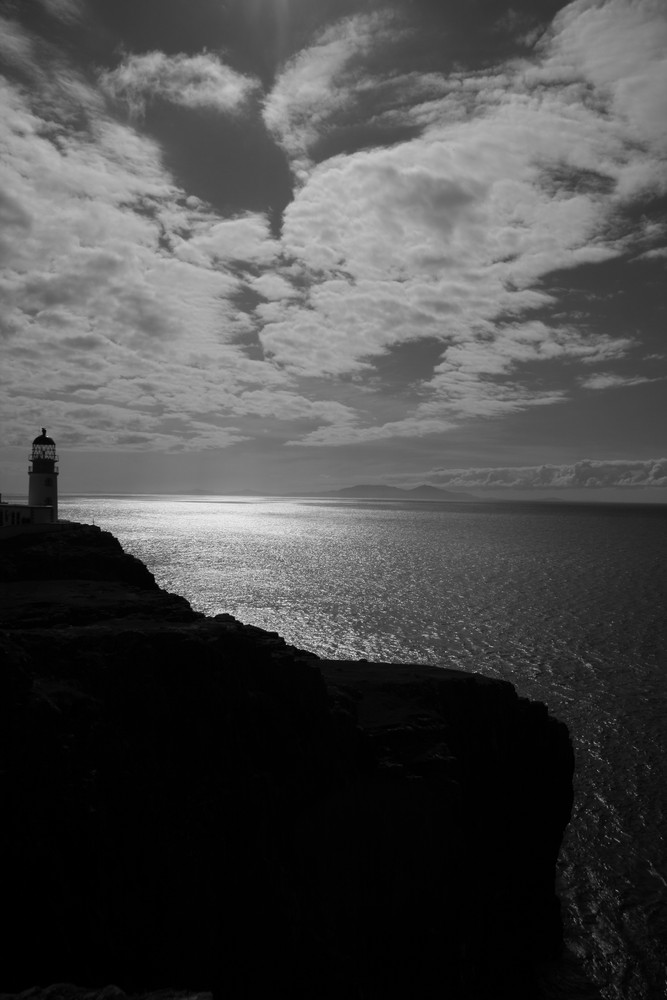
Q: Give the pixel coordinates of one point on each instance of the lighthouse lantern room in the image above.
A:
(43, 474)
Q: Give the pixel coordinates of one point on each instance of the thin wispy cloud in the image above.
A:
(200, 81)
(607, 380)
(17, 48)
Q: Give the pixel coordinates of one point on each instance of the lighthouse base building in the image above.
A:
(42, 507)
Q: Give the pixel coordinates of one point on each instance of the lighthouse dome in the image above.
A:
(43, 438)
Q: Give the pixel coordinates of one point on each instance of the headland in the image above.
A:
(191, 803)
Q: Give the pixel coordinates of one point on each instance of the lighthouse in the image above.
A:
(43, 474)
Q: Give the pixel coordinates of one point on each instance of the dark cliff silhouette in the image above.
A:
(189, 802)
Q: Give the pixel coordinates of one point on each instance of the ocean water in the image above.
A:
(568, 602)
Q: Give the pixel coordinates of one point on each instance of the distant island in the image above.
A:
(380, 492)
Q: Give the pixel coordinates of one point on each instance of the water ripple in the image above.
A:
(566, 602)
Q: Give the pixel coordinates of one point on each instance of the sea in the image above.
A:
(566, 601)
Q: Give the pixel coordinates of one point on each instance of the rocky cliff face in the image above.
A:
(190, 802)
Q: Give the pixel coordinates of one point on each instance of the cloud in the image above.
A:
(199, 81)
(348, 433)
(68, 11)
(621, 48)
(288, 406)
(588, 473)
(60, 95)
(607, 380)
(442, 236)
(160, 316)
(465, 398)
(320, 82)
(500, 350)
(14, 221)
(16, 45)
(208, 240)
(274, 287)
(519, 171)
(123, 288)
(657, 253)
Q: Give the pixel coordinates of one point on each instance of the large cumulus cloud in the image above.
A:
(518, 172)
(119, 317)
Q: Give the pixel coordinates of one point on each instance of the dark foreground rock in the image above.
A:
(191, 803)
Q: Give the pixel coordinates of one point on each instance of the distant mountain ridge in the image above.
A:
(379, 491)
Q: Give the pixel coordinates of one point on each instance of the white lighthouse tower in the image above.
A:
(43, 474)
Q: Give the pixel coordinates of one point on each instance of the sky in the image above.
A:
(275, 246)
